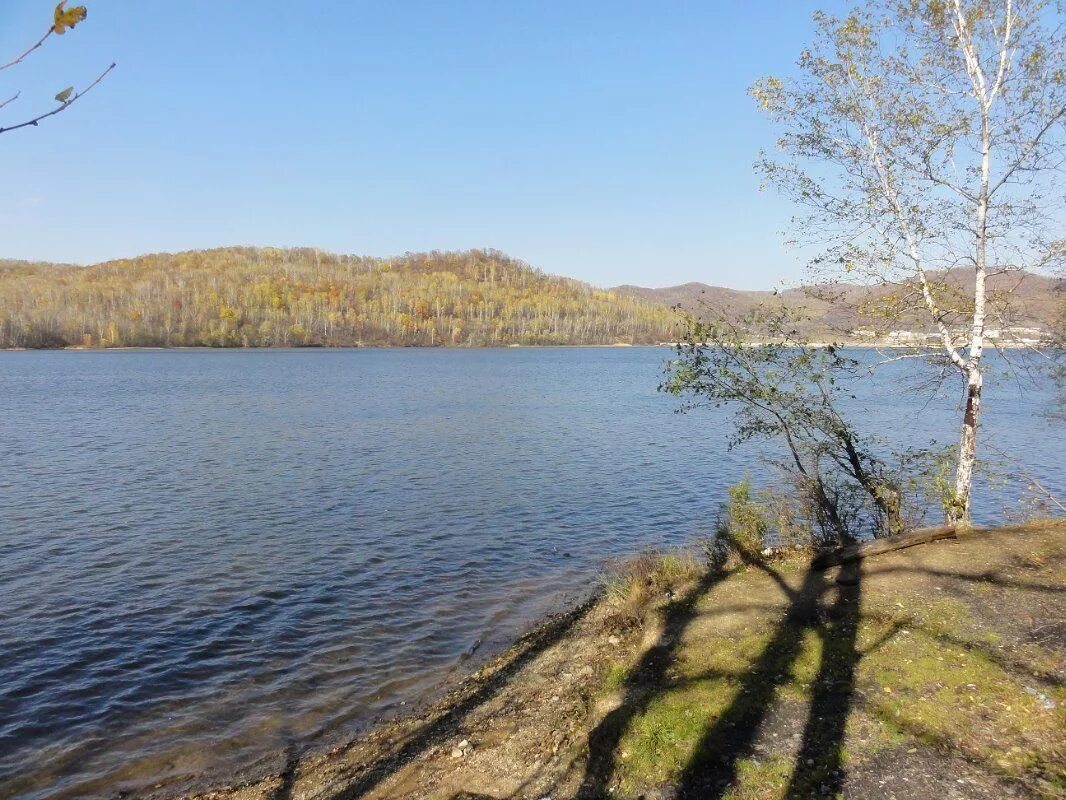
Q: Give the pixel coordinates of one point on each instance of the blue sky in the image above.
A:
(608, 141)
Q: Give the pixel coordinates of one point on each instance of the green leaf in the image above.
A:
(64, 95)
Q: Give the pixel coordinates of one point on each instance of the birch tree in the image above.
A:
(920, 138)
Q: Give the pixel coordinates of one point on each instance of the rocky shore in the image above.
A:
(933, 672)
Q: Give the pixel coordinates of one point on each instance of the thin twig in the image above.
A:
(63, 107)
(1028, 476)
(887, 359)
(39, 43)
(10, 99)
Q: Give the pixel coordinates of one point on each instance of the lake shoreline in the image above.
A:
(385, 741)
(214, 559)
(850, 345)
(533, 709)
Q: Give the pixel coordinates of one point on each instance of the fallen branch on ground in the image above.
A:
(857, 552)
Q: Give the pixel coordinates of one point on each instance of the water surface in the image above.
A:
(215, 559)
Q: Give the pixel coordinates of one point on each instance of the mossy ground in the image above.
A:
(907, 654)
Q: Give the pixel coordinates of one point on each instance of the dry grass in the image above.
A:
(631, 587)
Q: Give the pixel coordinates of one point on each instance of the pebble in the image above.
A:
(457, 753)
(614, 640)
(1045, 701)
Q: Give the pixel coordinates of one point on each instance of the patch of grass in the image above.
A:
(661, 741)
(932, 675)
(616, 677)
(632, 586)
(928, 675)
(761, 779)
(959, 696)
(708, 681)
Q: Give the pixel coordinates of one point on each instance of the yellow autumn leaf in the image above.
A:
(64, 95)
(67, 17)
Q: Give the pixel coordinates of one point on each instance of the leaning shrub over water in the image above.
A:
(787, 390)
(752, 520)
(792, 515)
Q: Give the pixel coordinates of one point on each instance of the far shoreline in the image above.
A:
(617, 346)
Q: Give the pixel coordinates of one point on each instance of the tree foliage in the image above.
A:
(781, 388)
(270, 297)
(923, 136)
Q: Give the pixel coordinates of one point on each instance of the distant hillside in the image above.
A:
(266, 297)
(694, 296)
(1022, 301)
(690, 295)
(270, 297)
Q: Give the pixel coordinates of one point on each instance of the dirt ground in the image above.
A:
(931, 672)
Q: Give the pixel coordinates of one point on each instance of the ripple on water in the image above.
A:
(212, 558)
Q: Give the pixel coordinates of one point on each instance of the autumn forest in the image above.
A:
(271, 297)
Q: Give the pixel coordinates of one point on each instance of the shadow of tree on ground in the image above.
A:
(819, 769)
(819, 604)
(642, 685)
(731, 737)
(732, 734)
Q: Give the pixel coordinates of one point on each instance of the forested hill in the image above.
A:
(270, 297)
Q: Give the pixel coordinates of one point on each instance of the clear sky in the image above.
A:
(610, 141)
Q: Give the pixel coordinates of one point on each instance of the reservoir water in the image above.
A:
(210, 560)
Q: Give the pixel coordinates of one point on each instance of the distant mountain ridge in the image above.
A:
(1028, 301)
(686, 294)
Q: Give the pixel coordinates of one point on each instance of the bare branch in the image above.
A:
(1028, 150)
(40, 42)
(1029, 477)
(887, 359)
(33, 122)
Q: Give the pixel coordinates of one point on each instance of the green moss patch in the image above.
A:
(917, 670)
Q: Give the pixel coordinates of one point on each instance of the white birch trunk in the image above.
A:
(959, 511)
